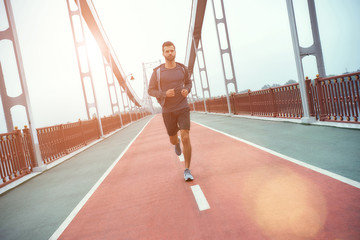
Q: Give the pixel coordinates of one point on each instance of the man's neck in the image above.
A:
(170, 65)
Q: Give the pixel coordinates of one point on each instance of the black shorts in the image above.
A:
(174, 121)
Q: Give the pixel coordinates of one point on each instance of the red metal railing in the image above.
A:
(111, 123)
(287, 101)
(125, 118)
(60, 140)
(16, 155)
(217, 105)
(134, 116)
(262, 103)
(242, 103)
(199, 106)
(284, 102)
(335, 98)
(57, 141)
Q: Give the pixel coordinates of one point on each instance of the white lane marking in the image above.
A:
(298, 162)
(181, 157)
(200, 198)
(77, 209)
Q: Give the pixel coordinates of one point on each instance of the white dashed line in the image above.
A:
(200, 198)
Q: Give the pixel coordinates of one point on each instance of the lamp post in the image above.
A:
(131, 77)
(126, 91)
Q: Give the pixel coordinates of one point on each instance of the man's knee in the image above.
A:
(185, 136)
(173, 139)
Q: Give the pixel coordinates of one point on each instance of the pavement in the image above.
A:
(331, 148)
(35, 209)
(257, 179)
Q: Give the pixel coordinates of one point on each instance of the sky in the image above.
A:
(259, 35)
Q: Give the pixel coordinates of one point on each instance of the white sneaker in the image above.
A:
(187, 175)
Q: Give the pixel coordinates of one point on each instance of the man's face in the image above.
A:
(169, 53)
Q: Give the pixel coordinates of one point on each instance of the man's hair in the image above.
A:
(166, 44)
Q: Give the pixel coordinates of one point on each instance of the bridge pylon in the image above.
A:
(146, 100)
(23, 99)
(301, 52)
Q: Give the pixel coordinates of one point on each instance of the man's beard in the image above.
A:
(170, 58)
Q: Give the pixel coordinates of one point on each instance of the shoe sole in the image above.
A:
(188, 179)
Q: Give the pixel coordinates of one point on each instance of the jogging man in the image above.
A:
(170, 84)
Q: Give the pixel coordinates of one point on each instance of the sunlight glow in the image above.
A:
(286, 206)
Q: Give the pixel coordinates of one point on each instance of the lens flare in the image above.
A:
(284, 204)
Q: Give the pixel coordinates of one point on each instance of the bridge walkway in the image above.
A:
(261, 180)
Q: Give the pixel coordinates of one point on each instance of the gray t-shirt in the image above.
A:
(176, 78)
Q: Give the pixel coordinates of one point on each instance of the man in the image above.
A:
(170, 84)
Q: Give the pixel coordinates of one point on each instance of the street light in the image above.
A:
(126, 91)
(131, 77)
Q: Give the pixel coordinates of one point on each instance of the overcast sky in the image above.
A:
(259, 37)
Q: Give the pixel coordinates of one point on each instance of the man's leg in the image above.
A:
(185, 138)
(170, 122)
(174, 139)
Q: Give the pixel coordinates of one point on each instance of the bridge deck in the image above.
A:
(252, 193)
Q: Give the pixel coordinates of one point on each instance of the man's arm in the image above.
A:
(187, 81)
(153, 87)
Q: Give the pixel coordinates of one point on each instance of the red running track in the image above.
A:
(252, 195)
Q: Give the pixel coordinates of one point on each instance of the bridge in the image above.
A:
(280, 162)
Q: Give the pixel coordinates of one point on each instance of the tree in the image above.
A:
(290, 82)
(270, 86)
(266, 86)
(244, 91)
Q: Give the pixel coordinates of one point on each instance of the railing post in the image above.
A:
(27, 133)
(273, 102)
(318, 85)
(250, 103)
(233, 100)
(65, 145)
(98, 127)
(311, 101)
(119, 121)
(82, 132)
(357, 98)
(20, 151)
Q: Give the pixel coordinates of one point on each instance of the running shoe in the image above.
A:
(187, 175)
(178, 148)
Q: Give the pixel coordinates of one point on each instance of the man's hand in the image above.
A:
(184, 92)
(170, 92)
